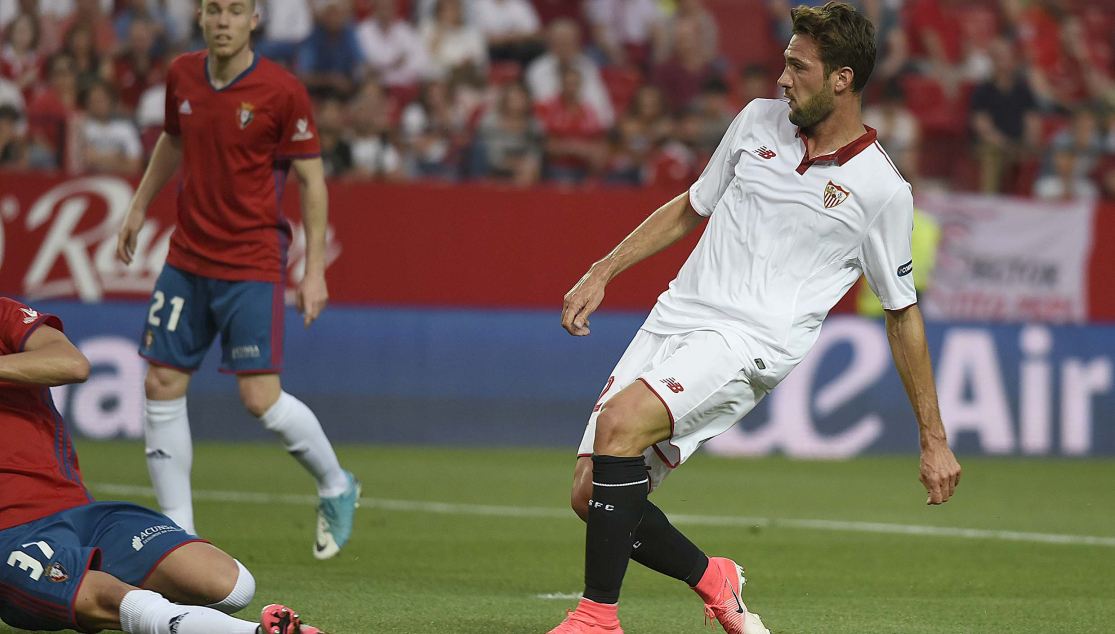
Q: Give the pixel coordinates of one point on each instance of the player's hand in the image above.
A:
(582, 301)
(312, 297)
(940, 472)
(129, 232)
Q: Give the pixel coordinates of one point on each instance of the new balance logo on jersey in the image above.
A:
(835, 194)
(31, 315)
(673, 384)
(303, 133)
(763, 152)
(185, 108)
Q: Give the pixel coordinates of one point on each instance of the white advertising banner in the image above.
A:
(1009, 259)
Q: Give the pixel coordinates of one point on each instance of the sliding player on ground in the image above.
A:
(237, 124)
(800, 201)
(67, 562)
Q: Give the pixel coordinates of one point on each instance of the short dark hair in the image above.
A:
(843, 36)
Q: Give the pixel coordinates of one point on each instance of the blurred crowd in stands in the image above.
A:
(1010, 96)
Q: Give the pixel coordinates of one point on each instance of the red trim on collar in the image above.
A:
(841, 156)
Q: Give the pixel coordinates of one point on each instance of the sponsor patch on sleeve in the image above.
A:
(906, 268)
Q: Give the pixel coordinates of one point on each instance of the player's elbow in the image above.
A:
(77, 368)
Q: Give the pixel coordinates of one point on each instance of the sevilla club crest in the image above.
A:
(245, 115)
(835, 194)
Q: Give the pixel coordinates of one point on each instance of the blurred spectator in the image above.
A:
(1065, 182)
(93, 16)
(425, 10)
(641, 131)
(626, 31)
(574, 134)
(128, 11)
(111, 143)
(936, 36)
(19, 59)
(88, 63)
(689, 68)
(391, 47)
(12, 154)
(330, 59)
(717, 113)
(1063, 70)
(509, 139)
(284, 24)
(544, 78)
(138, 68)
(755, 83)
(551, 10)
(1106, 177)
(150, 114)
(511, 28)
(49, 114)
(692, 10)
(374, 153)
(1004, 119)
(898, 129)
(675, 163)
(432, 130)
(452, 44)
(1083, 138)
(336, 154)
(11, 95)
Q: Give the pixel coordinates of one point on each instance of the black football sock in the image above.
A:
(619, 493)
(662, 548)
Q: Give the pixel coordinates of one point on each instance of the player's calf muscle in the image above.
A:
(97, 605)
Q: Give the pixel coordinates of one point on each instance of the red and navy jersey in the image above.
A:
(237, 145)
(39, 475)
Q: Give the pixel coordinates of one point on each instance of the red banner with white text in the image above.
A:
(475, 246)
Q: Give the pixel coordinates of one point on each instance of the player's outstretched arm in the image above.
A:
(940, 472)
(670, 223)
(165, 160)
(312, 292)
(48, 359)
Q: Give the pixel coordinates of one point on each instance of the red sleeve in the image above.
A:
(18, 321)
(299, 134)
(170, 122)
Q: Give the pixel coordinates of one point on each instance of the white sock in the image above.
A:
(241, 594)
(146, 612)
(303, 437)
(170, 454)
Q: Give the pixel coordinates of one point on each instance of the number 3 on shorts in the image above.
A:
(29, 563)
(157, 303)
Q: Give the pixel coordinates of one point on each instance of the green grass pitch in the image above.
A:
(479, 562)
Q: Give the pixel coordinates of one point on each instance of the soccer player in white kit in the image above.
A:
(800, 200)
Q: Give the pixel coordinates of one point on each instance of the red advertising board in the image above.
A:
(476, 246)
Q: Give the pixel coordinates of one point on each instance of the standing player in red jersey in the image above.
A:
(72, 563)
(236, 123)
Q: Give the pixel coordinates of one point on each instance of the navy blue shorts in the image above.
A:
(42, 563)
(187, 312)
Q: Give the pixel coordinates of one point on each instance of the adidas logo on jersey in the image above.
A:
(303, 133)
(31, 313)
(185, 108)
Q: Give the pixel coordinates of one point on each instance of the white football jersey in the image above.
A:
(786, 238)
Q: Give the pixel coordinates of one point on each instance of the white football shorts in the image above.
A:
(703, 382)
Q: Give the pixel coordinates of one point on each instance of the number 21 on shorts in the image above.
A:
(157, 303)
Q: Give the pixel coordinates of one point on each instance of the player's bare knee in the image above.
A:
(617, 433)
(165, 384)
(257, 400)
(97, 604)
(241, 589)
